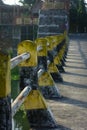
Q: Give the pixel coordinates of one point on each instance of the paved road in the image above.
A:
(70, 112)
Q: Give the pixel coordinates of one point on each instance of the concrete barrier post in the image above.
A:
(38, 113)
(51, 55)
(45, 81)
(5, 92)
(58, 60)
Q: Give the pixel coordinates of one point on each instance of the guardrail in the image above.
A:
(41, 62)
(16, 60)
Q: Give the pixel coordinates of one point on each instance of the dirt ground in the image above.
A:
(70, 112)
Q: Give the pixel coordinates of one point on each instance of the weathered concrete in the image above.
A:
(70, 111)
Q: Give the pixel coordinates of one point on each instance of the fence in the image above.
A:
(40, 64)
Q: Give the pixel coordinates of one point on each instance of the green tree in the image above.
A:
(82, 16)
(77, 15)
(73, 15)
(29, 2)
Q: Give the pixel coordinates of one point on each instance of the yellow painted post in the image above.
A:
(62, 50)
(5, 92)
(45, 81)
(37, 110)
(42, 54)
(59, 39)
(51, 55)
(66, 44)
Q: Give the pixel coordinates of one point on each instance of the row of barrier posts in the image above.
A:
(40, 64)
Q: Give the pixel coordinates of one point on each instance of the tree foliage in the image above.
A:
(29, 2)
(77, 15)
(81, 15)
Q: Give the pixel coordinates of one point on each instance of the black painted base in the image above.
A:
(57, 77)
(41, 118)
(60, 68)
(5, 113)
(50, 92)
(63, 62)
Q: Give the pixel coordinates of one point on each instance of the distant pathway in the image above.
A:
(70, 111)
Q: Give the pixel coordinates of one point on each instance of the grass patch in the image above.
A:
(15, 73)
(21, 119)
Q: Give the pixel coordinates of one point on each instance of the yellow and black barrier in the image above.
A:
(66, 44)
(63, 50)
(51, 55)
(32, 57)
(58, 43)
(37, 110)
(5, 92)
(45, 81)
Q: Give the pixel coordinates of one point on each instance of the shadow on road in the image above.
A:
(75, 74)
(71, 101)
